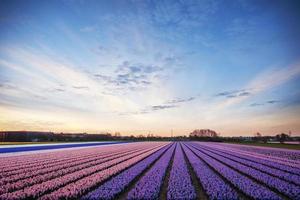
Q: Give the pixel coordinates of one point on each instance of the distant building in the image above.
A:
(36, 136)
(246, 138)
(25, 136)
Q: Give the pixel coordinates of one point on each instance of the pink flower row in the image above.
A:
(45, 183)
(261, 157)
(81, 186)
(285, 155)
(34, 172)
(93, 153)
(38, 159)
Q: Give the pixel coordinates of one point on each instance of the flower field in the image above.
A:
(153, 170)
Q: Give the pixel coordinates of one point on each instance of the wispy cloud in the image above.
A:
(264, 103)
(42, 74)
(59, 90)
(150, 109)
(272, 101)
(129, 76)
(162, 107)
(81, 87)
(243, 94)
(177, 102)
(235, 93)
(174, 103)
(274, 77)
(181, 100)
(267, 80)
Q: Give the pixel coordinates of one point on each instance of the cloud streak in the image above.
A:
(264, 103)
(181, 100)
(162, 107)
(267, 80)
(174, 103)
(81, 87)
(234, 94)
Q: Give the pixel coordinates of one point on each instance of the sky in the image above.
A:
(140, 67)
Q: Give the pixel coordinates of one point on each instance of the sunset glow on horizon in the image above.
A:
(140, 67)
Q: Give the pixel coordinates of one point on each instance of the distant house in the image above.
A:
(246, 138)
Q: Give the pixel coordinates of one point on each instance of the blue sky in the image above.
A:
(150, 66)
